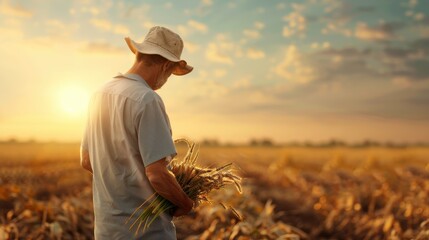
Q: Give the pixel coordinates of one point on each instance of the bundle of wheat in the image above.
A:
(195, 181)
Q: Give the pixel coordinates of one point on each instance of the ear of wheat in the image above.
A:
(196, 181)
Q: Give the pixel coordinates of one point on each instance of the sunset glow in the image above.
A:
(73, 101)
(287, 70)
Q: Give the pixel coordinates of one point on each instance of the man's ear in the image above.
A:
(169, 66)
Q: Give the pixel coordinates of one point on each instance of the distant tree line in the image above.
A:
(268, 142)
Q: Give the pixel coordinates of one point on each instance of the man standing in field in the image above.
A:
(127, 143)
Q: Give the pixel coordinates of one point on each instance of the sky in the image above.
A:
(308, 70)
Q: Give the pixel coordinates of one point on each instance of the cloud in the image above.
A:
(200, 27)
(57, 28)
(401, 82)
(260, 10)
(421, 44)
(120, 29)
(102, 48)
(102, 24)
(191, 47)
(344, 64)
(338, 15)
(336, 27)
(94, 11)
(381, 32)
(323, 45)
(244, 82)
(232, 5)
(207, 2)
(254, 34)
(416, 70)
(127, 9)
(217, 53)
(323, 70)
(107, 26)
(11, 33)
(203, 88)
(255, 53)
(259, 25)
(409, 61)
(14, 10)
(348, 52)
(219, 73)
(412, 3)
(148, 24)
(315, 79)
(419, 16)
(405, 103)
(293, 69)
(191, 27)
(296, 23)
(280, 6)
(222, 50)
(202, 9)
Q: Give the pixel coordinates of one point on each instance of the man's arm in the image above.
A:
(165, 184)
(84, 160)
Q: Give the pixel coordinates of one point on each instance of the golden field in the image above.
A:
(289, 193)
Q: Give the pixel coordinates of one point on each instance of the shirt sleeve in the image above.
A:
(154, 134)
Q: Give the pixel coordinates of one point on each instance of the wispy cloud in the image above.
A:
(102, 48)
(219, 53)
(200, 27)
(339, 14)
(94, 11)
(296, 22)
(106, 25)
(191, 46)
(259, 25)
(381, 32)
(14, 10)
(255, 53)
(207, 2)
(408, 62)
(222, 50)
(281, 6)
(219, 73)
(254, 34)
(191, 27)
(293, 69)
(57, 28)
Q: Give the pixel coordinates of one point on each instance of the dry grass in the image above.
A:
(289, 193)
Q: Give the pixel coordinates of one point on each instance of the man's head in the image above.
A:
(164, 42)
(156, 68)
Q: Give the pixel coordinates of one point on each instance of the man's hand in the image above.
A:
(165, 184)
(181, 211)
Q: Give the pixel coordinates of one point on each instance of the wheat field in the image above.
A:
(288, 193)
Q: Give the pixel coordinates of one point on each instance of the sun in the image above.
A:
(73, 100)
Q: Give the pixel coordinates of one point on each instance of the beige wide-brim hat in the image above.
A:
(164, 42)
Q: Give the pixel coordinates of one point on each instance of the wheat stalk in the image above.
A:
(196, 181)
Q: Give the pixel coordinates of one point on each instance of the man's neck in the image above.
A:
(144, 73)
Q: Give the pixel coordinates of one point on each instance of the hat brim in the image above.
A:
(182, 67)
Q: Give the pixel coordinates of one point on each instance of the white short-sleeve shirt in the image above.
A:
(127, 129)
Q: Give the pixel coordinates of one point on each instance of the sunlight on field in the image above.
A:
(289, 192)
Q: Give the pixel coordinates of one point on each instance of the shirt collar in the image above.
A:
(133, 76)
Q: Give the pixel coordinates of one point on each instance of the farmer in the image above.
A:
(127, 144)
